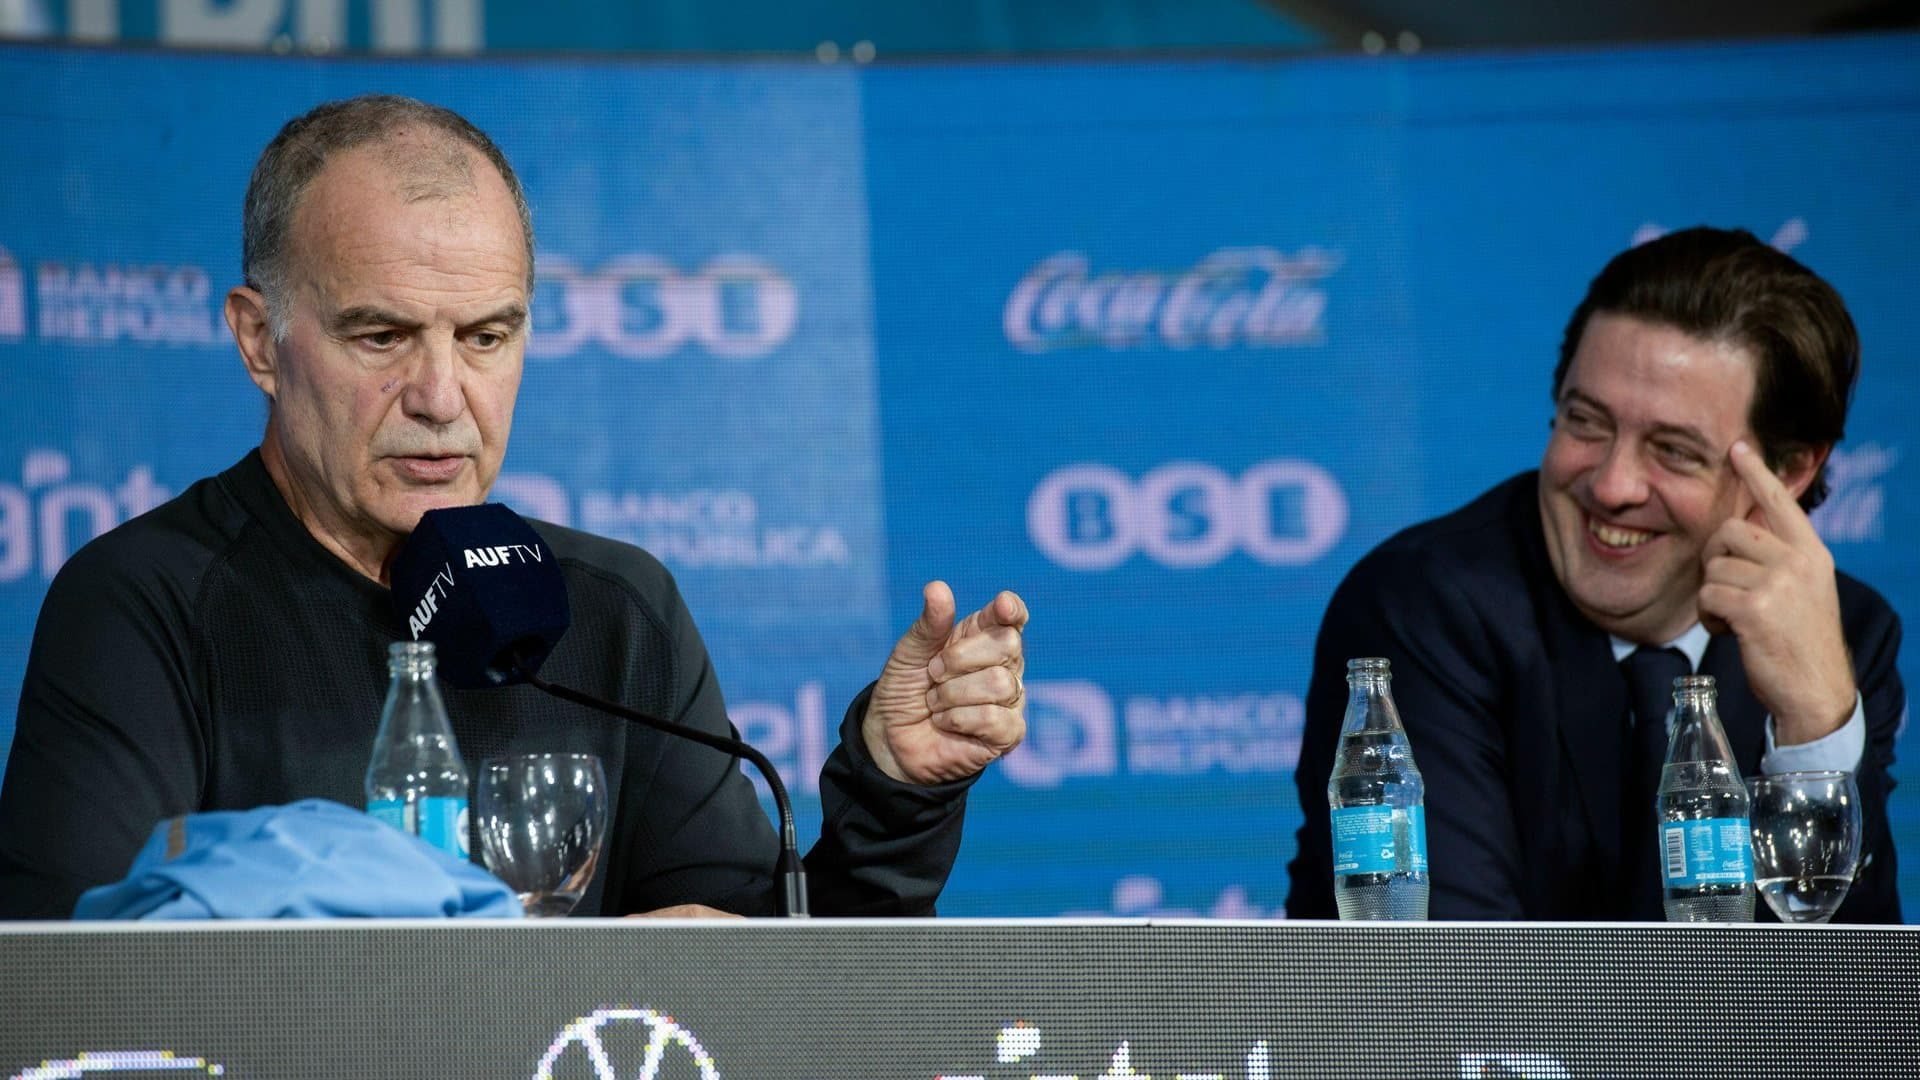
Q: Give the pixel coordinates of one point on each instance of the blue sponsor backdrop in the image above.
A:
(1165, 346)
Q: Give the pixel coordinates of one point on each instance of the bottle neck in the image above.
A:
(1370, 703)
(1696, 734)
(1695, 701)
(411, 669)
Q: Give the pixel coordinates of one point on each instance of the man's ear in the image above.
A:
(246, 312)
(1799, 465)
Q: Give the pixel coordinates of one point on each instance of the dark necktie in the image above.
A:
(1650, 675)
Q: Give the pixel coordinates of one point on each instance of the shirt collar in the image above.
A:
(1692, 642)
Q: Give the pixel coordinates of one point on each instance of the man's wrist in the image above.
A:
(1837, 750)
(1790, 730)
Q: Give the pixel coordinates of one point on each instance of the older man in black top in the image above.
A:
(227, 650)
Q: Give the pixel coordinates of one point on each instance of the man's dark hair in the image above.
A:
(1724, 285)
(304, 146)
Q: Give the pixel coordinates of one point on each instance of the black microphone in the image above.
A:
(481, 584)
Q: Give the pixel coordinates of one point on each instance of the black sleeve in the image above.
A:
(1443, 665)
(885, 848)
(1875, 895)
(106, 742)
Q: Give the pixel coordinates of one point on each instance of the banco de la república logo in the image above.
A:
(107, 303)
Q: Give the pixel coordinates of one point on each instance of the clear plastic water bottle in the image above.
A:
(416, 781)
(1706, 848)
(1378, 801)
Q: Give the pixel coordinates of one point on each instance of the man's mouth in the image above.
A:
(429, 468)
(1618, 537)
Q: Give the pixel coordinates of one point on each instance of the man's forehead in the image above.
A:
(1657, 377)
(402, 170)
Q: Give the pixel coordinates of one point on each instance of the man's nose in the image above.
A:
(1620, 480)
(433, 394)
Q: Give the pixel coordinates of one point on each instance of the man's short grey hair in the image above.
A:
(304, 146)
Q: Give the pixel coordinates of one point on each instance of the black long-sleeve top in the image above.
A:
(212, 655)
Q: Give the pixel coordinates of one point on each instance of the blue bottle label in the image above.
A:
(439, 820)
(443, 823)
(1370, 839)
(394, 812)
(1706, 851)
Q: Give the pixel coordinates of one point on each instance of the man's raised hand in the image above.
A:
(951, 698)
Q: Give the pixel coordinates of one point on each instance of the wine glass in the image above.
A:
(542, 820)
(1806, 842)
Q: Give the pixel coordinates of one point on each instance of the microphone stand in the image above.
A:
(793, 876)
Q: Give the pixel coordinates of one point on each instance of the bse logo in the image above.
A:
(1187, 515)
(644, 308)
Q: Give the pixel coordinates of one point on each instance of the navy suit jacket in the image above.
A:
(1516, 711)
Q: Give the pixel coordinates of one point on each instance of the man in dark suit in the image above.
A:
(1702, 383)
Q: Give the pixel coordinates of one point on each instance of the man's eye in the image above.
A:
(382, 339)
(1582, 423)
(1675, 454)
(487, 339)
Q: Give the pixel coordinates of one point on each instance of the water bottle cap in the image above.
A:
(410, 656)
(1369, 665)
(1686, 683)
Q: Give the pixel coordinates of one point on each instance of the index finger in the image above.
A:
(1782, 510)
(1006, 609)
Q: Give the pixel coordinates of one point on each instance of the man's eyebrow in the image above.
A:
(1571, 396)
(361, 316)
(1684, 431)
(513, 316)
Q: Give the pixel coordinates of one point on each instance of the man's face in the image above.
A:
(1636, 478)
(393, 389)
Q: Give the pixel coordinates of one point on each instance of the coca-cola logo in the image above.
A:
(1242, 297)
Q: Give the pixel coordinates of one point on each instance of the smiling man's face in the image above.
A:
(1635, 478)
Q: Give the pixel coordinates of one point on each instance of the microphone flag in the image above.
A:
(479, 583)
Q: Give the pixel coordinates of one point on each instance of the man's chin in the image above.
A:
(406, 513)
(1635, 618)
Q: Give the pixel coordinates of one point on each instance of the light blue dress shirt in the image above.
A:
(1839, 751)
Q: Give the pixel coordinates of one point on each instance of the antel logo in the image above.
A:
(644, 308)
(1187, 515)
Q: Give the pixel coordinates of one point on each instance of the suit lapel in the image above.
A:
(1590, 698)
(1589, 694)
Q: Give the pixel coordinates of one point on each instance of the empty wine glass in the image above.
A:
(542, 819)
(1806, 842)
